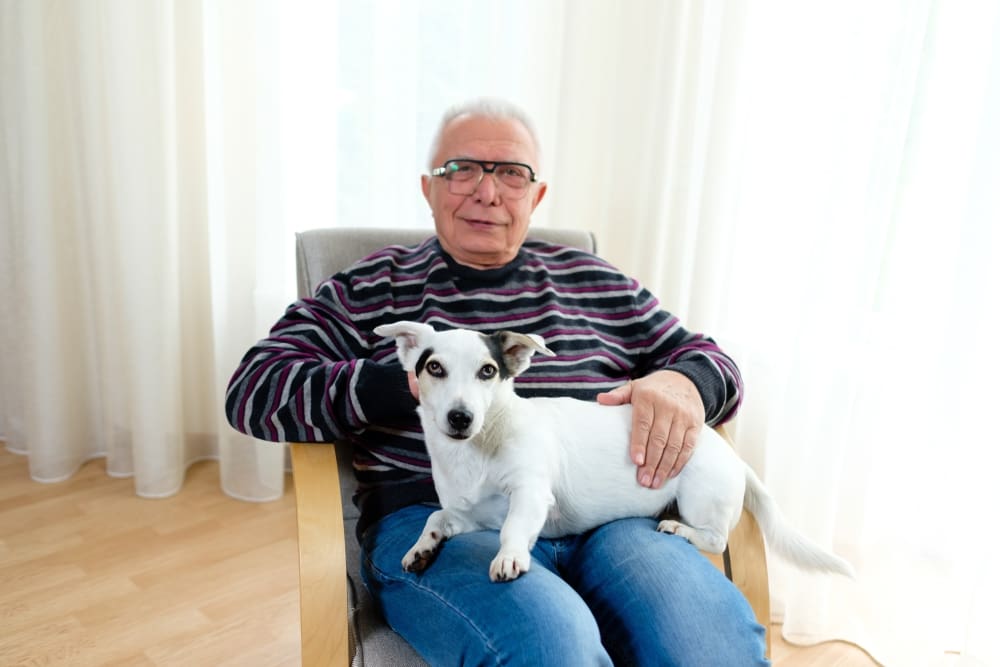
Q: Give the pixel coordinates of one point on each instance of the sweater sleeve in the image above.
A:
(696, 356)
(316, 378)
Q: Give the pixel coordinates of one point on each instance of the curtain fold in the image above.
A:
(814, 186)
(113, 252)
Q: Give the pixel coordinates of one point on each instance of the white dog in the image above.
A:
(558, 466)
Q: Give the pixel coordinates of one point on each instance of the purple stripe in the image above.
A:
(696, 345)
(599, 289)
(552, 361)
(561, 379)
(253, 385)
(589, 314)
(430, 292)
(407, 304)
(657, 335)
(387, 272)
(410, 254)
(282, 379)
(550, 261)
(299, 348)
(420, 463)
(300, 407)
(335, 315)
(355, 310)
(352, 413)
(331, 380)
(369, 280)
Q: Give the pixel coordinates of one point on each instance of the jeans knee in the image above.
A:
(453, 614)
(569, 641)
(500, 633)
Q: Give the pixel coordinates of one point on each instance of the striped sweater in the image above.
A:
(323, 375)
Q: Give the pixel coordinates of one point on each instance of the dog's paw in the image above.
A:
(508, 566)
(670, 526)
(421, 555)
(706, 540)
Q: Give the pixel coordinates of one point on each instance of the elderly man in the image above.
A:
(622, 593)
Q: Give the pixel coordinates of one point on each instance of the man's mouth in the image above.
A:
(482, 223)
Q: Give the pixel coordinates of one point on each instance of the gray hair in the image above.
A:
(484, 107)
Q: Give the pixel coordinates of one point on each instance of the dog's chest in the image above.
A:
(467, 481)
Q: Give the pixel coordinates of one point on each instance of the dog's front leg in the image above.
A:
(529, 508)
(440, 525)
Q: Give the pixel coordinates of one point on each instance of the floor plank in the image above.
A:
(91, 574)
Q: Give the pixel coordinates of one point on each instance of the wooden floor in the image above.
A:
(90, 574)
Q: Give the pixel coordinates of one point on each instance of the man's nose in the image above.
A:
(488, 192)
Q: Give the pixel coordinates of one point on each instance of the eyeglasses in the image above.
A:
(464, 176)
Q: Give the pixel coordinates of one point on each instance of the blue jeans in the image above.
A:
(621, 594)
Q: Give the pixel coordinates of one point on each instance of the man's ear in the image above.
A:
(539, 194)
(411, 339)
(518, 348)
(425, 187)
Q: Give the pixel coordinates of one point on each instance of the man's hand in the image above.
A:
(667, 416)
(411, 379)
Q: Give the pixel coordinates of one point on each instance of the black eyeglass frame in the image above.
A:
(443, 169)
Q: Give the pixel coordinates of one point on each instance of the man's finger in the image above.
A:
(671, 453)
(642, 423)
(617, 396)
(672, 456)
(685, 455)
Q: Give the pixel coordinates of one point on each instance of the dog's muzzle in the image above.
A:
(459, 421)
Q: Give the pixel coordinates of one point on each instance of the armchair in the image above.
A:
(339, 623)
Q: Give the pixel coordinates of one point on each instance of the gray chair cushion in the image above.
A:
(373, 641)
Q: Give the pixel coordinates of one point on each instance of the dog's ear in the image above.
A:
(411, 339)
(518, 348)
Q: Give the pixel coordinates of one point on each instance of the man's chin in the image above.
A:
(480, 245)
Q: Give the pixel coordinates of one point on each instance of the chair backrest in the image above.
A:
(320, 253)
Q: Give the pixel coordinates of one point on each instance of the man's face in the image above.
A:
(486, 228)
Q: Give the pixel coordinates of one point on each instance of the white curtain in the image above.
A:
(814, 184)
(132, 215)
(866, 238)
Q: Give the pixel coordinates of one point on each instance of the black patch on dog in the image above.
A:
(422, 361)
(494, 343)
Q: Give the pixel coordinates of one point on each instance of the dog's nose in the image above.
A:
(459, 419)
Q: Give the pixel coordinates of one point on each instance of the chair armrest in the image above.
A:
(748, 570)
(322, 556)
(745, 563)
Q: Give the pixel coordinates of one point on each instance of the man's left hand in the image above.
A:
(667, 417)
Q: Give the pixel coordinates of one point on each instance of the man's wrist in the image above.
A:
(384, 393)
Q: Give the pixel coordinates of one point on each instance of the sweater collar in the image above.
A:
(496, 275)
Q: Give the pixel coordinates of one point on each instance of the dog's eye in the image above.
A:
(435, 368)
(487, 372)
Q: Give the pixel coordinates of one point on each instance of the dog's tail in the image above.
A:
(782, 538)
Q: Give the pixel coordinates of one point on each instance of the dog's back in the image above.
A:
(595, 480)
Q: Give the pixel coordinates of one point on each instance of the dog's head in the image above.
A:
(459, 371)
